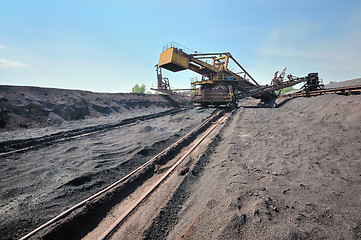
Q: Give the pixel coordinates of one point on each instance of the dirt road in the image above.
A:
(286, 173)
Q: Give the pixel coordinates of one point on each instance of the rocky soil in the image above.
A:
(291, 172)
(31, 107)
(38, 184)
(353, 82)
(287, 173)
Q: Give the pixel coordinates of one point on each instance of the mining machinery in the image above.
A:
(162, 82)
(278, 79)
(218, 85)
(313, 83)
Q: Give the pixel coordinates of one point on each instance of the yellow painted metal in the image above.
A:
(205, 65)
(173, 60)
(213, 74)
(221, 62)
(227, 61)
(203, 82)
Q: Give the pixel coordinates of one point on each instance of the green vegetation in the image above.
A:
(284, 90)
(140, 89)
(332, 82)
(160, 93)
(192, 93)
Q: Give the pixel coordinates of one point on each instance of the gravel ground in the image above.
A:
(34, 107)
(353, 82)
(291, 172)
(277, 173)
(37, 185)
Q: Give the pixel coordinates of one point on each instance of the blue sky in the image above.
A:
(109, 46)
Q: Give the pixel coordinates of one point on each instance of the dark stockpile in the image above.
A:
(28, 107)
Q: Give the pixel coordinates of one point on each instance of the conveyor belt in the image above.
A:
(354, 90)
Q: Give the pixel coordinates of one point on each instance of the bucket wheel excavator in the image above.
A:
(218, 85)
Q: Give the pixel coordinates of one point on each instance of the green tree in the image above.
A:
(138, 89)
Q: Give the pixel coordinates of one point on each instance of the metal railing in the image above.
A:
(178, 46)
(198, 79)
(218, 77)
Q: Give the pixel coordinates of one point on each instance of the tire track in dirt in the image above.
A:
(14, 146)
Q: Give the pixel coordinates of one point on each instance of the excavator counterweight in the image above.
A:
(173, 60)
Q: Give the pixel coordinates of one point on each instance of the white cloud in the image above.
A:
(5, 63)
(9, 48)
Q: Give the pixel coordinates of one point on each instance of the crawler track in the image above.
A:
(135, 178)
(14, 146)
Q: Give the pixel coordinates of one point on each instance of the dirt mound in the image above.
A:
(291, 172)
(332, 108)
(353, 82)
(28, 107)
(38, 184)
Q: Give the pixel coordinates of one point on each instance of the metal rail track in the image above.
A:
(14, 146)
(138, 201)
(133, 173)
